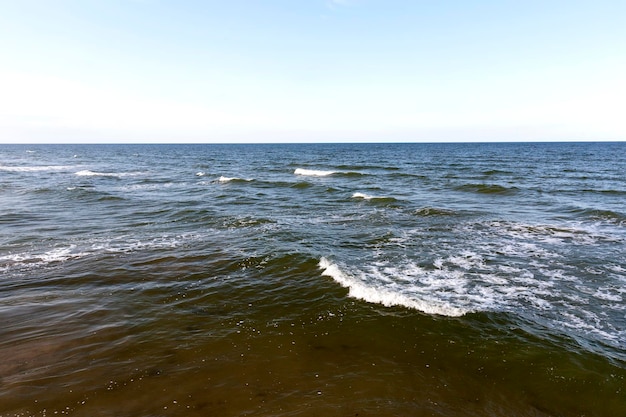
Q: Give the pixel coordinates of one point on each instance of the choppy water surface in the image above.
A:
(306, 280)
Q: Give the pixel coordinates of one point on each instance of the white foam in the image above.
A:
(88, 173)
(386, 296)
(467, 260)
(499, 266)
(363, 196)
(368, 197)
(224, 179)
(58, 254)
(438, 263)
(608, 294)
(313, 172)
(42, 258)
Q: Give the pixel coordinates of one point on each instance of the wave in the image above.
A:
(538, 286)
(487, 189)
(322, 173)
(349, 174)
(88, 173)
(247, 222)
(492, 172)
(387, 296)
(605, 192)
(41, 258)
(432, 211)
(373, 198)
(538, 234)
(224, 179)
(32, 259)
(602, 215)
(300, 185)
(313, 172)
(358, 168)
(42, 168)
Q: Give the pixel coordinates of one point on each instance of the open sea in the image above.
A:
(313, 280)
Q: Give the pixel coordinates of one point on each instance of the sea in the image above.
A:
(427, 279)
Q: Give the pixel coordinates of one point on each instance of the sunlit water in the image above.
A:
(313, 280)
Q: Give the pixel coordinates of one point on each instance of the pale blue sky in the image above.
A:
(311, 70)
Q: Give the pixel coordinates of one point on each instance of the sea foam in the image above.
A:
(88, 173)
(363, 196)
(386, 296)
(373, 198)
(224, 179)
(313, 172)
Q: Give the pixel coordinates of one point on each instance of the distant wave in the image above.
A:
(224, 179)
(363, 196)
(433, 211)
(300, 185)
(386, 296)
(492, 172)
(373, 198)
(349, 174)
(322, 173)
(9, 168)
(607, 192)
(313, 172)
(88, 173)
(487, 189)
(606, 215)
(358, 168)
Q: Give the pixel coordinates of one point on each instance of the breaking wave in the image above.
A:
(377, 293)
(313, 172)
(88, 173)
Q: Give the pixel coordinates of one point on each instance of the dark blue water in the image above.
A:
(326, 279)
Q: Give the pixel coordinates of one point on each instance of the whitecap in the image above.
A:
(59, 254)
(224, 179)
(313, 172)
(386, 295)
(505, 267)
(363, 196)
(374, 198)
(88, 173)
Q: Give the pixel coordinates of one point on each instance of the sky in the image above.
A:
(312, 70)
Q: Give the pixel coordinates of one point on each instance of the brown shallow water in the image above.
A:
(278, 350)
